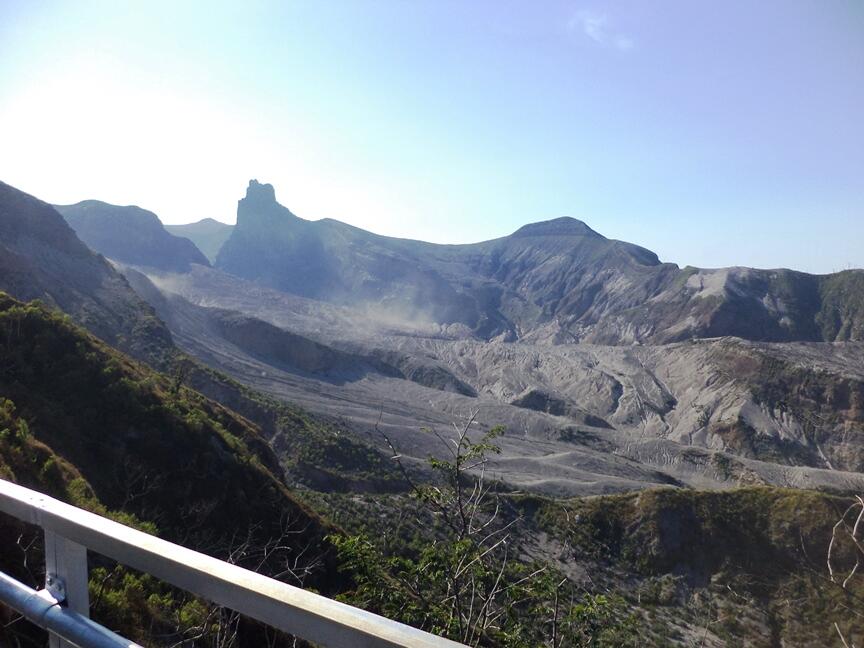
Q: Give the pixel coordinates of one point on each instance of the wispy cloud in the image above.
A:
(598, 27)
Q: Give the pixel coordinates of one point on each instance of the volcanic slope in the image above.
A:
(364, 327)
(580, 418)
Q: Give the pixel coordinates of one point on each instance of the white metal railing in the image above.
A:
(62, 607)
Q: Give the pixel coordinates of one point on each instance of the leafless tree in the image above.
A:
(847, 531)
(280, 557)
(137, 482)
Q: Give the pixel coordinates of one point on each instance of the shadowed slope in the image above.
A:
(42, 258)
(130, 235)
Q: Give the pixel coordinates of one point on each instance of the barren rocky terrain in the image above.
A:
(608, 369)
(580, 418)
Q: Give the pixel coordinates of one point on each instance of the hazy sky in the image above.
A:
(714, 133)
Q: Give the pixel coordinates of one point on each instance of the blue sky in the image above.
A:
(714, 133)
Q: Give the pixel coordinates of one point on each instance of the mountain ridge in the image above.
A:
(130, 234)
(42, 258)
(555, 281)
(552, 278)
(375, 359)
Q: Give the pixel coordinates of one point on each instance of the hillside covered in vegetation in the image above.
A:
(86, 424)
(90, 426)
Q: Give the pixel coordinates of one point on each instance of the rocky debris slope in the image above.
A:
(580, 418)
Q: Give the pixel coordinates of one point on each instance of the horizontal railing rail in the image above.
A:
(43, 610)
(70, 531)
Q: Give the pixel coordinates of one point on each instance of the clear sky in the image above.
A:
(714, 133)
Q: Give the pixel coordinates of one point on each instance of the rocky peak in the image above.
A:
(260, 193)
(259, 207)
(564, 226)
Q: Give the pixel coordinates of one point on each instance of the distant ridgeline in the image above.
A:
(208, 235)
(559, 277)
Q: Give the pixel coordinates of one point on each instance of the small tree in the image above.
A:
(464, 581)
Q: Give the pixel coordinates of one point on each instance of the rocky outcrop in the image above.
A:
(541, 401)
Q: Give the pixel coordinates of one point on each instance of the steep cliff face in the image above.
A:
(42, 258)
(841, 312)
(272, 245)
(807, 404)
(130, 235)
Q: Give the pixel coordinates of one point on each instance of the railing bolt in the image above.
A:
(56, 587)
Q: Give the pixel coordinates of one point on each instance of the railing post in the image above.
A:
(69, 531)
(66, 577)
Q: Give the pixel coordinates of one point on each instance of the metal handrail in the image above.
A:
(46, 612)
(291, 609)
